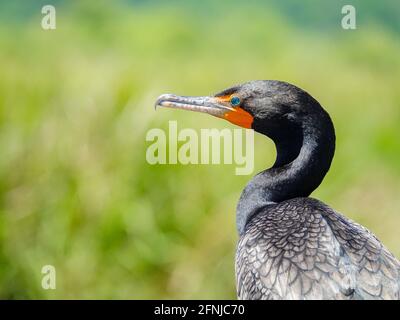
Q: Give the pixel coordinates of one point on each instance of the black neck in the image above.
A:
(304, 154)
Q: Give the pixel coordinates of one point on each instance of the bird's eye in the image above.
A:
(235, 101)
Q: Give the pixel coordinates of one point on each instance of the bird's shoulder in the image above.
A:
(303, 249)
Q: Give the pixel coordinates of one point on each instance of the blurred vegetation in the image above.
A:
(76, 103)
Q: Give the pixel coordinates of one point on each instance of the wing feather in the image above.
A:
(302, 249)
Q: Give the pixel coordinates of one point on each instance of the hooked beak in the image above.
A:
(215, 106)
(209, 105)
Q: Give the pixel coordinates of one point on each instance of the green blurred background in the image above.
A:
(76, 103)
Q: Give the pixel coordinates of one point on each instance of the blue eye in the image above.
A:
(235, 101)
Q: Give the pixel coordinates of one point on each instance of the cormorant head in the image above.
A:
(267, 106)
(293, 119)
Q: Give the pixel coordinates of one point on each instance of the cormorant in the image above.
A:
(292, 246)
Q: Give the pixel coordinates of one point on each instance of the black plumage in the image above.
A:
(292, 246)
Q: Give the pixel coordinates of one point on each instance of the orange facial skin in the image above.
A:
(240, 117)
(237, 116)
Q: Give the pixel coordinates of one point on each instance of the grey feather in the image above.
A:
(302, 249)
